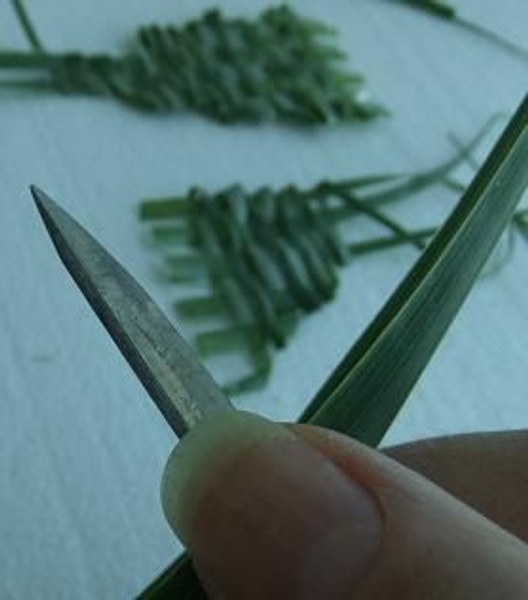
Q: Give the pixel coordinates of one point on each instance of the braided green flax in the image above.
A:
(279, 66)
(270, 256)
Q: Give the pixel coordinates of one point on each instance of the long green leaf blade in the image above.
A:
(368, 388)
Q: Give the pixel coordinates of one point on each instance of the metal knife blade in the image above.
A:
(168, 368)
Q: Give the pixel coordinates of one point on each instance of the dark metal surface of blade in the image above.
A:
(168, 368)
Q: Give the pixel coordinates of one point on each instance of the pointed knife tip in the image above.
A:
(40, 197)
(48, 209)
(50, 212)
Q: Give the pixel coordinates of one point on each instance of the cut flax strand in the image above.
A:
(447, 12)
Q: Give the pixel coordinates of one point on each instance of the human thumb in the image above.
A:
(297, 512)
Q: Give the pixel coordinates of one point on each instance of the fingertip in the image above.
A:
(200, 457)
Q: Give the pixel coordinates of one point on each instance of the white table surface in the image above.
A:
(82, 447)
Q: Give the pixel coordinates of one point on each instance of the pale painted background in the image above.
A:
(81, 446)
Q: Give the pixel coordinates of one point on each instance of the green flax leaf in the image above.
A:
(400, 341)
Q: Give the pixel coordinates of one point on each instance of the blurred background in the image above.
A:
(82, 447)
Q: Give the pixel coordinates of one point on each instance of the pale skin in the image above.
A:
(274, 511)
(488, 471)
